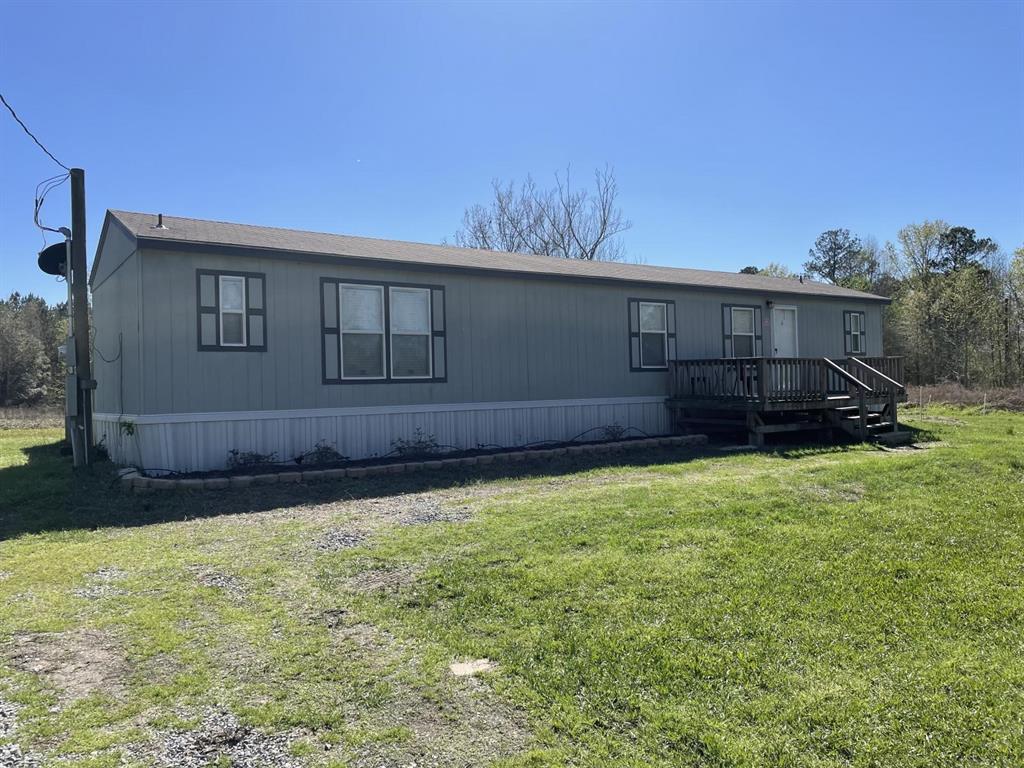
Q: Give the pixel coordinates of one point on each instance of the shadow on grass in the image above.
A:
(47, 494)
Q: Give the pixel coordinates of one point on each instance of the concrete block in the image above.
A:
(413, 466)
(191, 484)
(334, 474)
(267, 479)
(396, 469)
(469, 461)
(312, 475)
(432, 464)
(215, 483)
(162, 484)
(450, 463)
(356, 472)
(487, 458)
(289, 477)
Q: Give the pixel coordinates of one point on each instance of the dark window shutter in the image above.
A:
(863, 334)
(634, 334)
(329, 324)
(670, 326)
(758, 330)
(255, 310)
(440, 342)
(726, 330)
(207, 298)
(846, 332)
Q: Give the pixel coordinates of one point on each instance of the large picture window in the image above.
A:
(376, 332)
(362, 331)
(231, 311)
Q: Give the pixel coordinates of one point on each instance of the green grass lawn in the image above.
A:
(800, 607)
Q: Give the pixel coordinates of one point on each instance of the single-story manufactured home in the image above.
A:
(215, 337)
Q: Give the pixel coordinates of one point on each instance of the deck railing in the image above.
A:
(785, 379)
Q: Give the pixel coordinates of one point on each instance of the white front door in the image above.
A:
(784, 338)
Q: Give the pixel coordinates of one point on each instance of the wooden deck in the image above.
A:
(773, 394)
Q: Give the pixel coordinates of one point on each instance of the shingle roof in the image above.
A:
(218, 233)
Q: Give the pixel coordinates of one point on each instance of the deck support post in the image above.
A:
(756, 437)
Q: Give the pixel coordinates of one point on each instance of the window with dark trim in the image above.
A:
(377, 332)
(854, 333)
(741, 330)
(231, 311)
(652, 334)
(361, 312)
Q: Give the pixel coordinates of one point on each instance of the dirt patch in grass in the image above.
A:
(102, 583)
(913, 447)
(461, 725)
(383, 579)
(225, 582)
(848, 493)
(452, 723)
(76, 664)
(338, 539)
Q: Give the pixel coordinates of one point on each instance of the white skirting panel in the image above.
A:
(187, 442)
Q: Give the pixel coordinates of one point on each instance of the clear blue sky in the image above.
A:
(738, 132)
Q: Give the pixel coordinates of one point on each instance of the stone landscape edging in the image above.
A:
(131, 479)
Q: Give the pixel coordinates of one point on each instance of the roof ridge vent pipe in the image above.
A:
(159, 222)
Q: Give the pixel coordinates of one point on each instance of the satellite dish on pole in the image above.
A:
(54, 260)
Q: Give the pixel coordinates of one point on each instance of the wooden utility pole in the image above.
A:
(82, 378)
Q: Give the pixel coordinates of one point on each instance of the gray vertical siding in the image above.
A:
(117, 312)
(508, 338)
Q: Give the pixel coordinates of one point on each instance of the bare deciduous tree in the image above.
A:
(563, 221)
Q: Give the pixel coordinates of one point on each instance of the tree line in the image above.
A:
(957, 311)
(31, 372)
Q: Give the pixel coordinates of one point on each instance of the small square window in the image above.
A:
(231, 311)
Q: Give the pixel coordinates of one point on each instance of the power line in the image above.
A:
(31, 135)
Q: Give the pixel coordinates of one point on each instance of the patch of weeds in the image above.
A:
(613, 432)
(243, 459)
(420, 444)
(322, 453)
